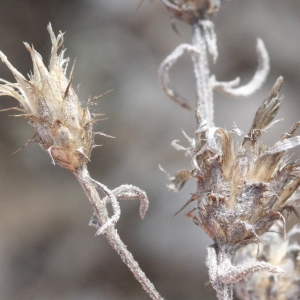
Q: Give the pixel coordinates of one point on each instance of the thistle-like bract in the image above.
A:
(62, 126)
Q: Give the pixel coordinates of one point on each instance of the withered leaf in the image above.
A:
(179, 180)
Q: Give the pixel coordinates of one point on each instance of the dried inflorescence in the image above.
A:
(242, 192)
(191, 11)
(279, 252)
(63, 127)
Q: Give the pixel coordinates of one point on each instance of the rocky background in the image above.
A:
(47, 251)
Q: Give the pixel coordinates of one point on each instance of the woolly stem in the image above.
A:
(204, 93)
(111, 233)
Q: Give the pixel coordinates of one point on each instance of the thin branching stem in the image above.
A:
(223, 273)
(111, 234)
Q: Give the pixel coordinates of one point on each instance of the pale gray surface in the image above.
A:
(47, 251)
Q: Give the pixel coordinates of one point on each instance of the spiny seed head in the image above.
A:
(192, 11)
(241, 192)
(63, 127)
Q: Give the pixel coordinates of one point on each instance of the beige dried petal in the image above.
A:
(269, 108)
(179, 180)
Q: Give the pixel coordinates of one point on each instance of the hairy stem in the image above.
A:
(111, 233)
(223, 273)
(214, 260)
(204, 93)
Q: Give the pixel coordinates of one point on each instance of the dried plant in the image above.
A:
(243, 187)
(63, 128)
(241, 191)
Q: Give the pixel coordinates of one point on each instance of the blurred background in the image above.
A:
(47, 251)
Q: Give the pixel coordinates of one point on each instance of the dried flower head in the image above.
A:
(241, 193)
(64, 129)
(62, 126)
(277, 251)
(192, 11)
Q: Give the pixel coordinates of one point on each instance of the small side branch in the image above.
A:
(204, 43)
(115, 205)
(164, 70)
(130, 192)
(223, 273)
(105, 225)
(262, 71)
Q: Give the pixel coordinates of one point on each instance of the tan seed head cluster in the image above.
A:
(242, 192)
(62, 126)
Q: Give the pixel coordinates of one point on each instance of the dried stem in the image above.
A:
(204, 42)
(99, 205)
(223, 273)
(204, 92)
(198, 50)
